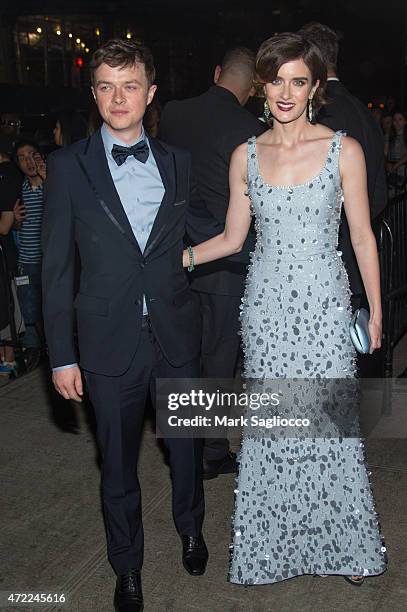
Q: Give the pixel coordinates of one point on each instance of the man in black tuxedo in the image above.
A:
(345, 112)
(210, 127)
(125, 201)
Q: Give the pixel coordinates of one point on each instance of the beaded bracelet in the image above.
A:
(191, 259)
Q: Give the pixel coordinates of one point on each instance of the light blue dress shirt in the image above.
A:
(140, 189)
(139, 186)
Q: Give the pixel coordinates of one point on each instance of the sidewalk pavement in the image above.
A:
(52, 535)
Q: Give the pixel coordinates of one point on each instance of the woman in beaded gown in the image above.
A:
(303, 505)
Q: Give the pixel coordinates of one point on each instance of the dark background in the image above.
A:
(42, 72)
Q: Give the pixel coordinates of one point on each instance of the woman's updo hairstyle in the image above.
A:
(288, 47)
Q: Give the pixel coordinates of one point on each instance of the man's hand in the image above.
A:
(68, 383)
(19, 213)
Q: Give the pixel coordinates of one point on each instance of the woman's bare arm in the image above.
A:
(238, 217)
(356, 204)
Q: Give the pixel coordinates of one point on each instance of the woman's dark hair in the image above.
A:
(73, 126)
(393, 133)
(123, 53)
(288, 47)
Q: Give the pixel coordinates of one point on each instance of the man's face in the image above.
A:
(122, 95)
(26, 160)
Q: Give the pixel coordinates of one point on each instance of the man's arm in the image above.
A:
(58, 265)
(6, 222)
(238, 217)
(58, 245)
(202, 225)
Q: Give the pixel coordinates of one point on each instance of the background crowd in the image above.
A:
(23, 168)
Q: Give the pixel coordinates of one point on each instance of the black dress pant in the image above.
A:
(220, 349)
(119, 404)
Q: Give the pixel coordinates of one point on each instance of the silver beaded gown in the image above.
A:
(303, 505)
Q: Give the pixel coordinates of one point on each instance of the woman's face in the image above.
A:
(58, 134)
(399, 122)
(288, 94)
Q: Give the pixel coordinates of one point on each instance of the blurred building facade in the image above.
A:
(49, 45)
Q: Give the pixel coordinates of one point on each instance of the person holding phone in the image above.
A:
(32, 164)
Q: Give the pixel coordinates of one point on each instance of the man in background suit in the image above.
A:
(124, 200)
(210, 127)
(344, 111)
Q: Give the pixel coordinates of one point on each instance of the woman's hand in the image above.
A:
(375, 332)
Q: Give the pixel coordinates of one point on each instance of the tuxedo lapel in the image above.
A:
(166, 167)
(93, 163)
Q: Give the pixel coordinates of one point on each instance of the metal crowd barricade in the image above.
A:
(391, 234)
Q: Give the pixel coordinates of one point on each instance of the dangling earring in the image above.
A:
(310, 110)
(266, 111)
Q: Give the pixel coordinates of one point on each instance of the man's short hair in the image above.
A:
(123, 53)
(325, 39)
(239, 61)
(25, 142)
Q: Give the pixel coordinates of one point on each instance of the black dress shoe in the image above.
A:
(32, 358)
(226, 465)
(194, 554)
(128, 596)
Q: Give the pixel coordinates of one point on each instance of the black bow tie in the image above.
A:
(139, 150)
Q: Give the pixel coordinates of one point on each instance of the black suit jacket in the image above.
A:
(345, 112)
(210, 127)
(82, 208)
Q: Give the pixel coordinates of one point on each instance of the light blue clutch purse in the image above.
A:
(359, 330)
